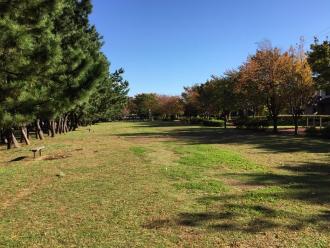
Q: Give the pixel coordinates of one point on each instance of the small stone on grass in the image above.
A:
(60, 174)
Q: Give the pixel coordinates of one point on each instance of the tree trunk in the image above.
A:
(24, 136)
(71, 125)
(78, 120)
(295, 120)
(8, 138)
(296, 129)
(62, 125)
(49, 128)
(28, 132)
(16, 144)
(59, 126)
(65, 123)
(52, 128)
(226, 117)
(39, 131)
(74, 122)
(11, 139)
(2, 139)
(275, 119)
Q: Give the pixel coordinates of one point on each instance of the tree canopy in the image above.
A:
(52, 67)
(319, 60)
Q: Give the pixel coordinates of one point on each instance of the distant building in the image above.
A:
(320, 105)
(323, 103)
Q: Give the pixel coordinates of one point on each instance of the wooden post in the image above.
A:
(320, 122)
(307, 124)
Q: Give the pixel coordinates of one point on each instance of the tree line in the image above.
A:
(270, 82)
(151, 105)
(53, 75)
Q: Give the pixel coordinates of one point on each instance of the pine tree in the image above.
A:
(28, 53)
(82, 66)
(51, 64)
(109, 98)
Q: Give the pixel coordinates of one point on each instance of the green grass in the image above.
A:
(206, 185)
(269, 194)
(181, 172)
(166, 185)
(208, 156)
(138, 150)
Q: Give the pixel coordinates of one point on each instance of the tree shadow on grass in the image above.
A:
(259, 210)
(253, 219)
(228, 220)
(245, 217)
(308, 183)
(212, 135)
(18, 159)
(160, 124)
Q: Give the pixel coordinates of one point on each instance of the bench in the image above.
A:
(37, 149)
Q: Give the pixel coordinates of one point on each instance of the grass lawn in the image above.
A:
(166, 185)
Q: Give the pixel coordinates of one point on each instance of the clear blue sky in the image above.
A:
(164, 45)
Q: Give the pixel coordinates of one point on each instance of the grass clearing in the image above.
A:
(166, 185)
(208, 156)
(138, 150)
(206, 185)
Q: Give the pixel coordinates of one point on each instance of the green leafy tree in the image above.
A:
(207, 98)
(319, 60)
(147, 105)
(225, 97)
(191, 101)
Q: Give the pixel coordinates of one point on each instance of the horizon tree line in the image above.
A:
(270, 82)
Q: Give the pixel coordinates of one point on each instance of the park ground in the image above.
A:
(166, 185)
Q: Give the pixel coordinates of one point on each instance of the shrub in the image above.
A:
(315, 132)
(204, 122)
(196, 120)
(213, 123)
(312, 131)
(240, 122)
(325, 132)
(288, 121)
(251, 123)
(258, 124)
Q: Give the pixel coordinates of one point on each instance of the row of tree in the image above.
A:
(270, 82)
(150, 106)
(53, 75)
